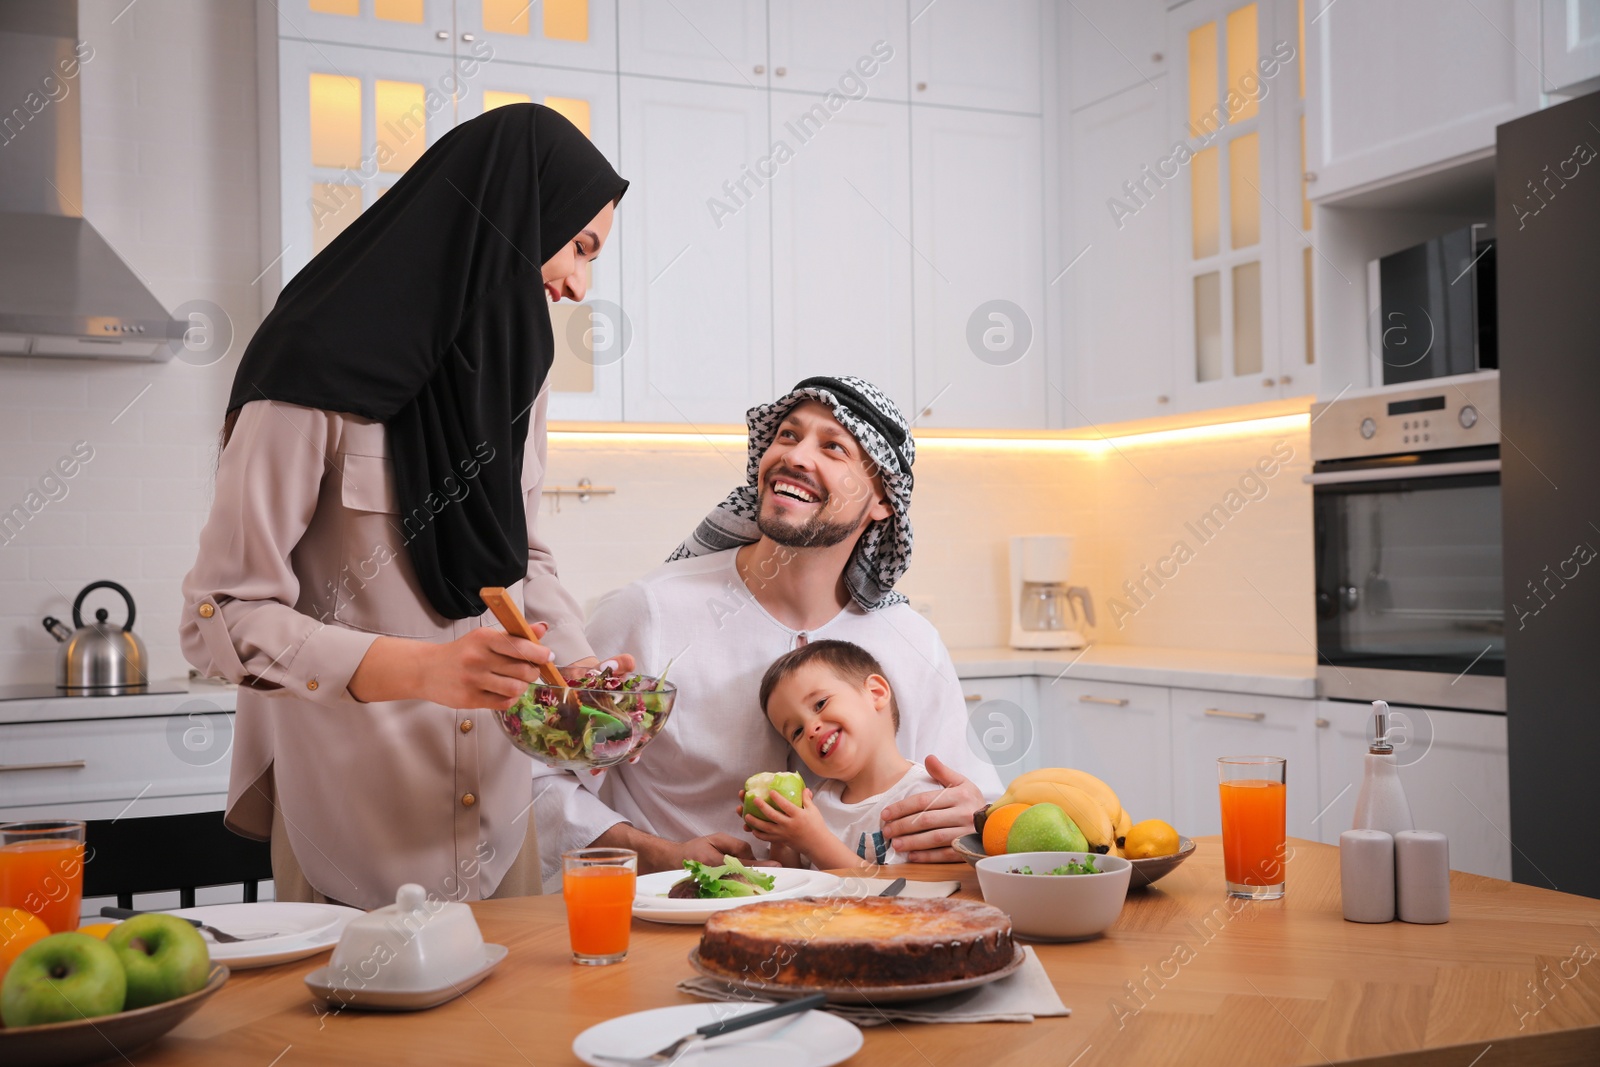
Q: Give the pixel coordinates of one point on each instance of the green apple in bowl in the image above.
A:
(163, 956)
(786, 784)
(1045, 828)
(62, 978)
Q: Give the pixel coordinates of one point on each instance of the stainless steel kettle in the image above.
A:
(101, 659)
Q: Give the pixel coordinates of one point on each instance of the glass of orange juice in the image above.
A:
(598, 884)
(41, 870)
(1253, 815)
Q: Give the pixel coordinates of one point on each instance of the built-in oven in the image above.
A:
(1406, 500)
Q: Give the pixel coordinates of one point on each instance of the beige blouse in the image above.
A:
(302, 565)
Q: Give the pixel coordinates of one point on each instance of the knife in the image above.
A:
(109, 912)
(893, 888)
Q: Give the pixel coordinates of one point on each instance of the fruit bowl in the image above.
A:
(970, 848)
(609, 721)
(1055, 907)
(93, 1040)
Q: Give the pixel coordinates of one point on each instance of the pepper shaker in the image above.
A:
(1366, 876)
(1422, 876)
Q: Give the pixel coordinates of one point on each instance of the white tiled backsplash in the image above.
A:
(170, 166)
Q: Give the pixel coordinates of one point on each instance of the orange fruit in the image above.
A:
(18, 930)
(997, 827)
(99, 930)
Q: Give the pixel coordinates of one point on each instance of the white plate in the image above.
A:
(651, 902)
(337, 996)
(299, 930)
(814, 1039)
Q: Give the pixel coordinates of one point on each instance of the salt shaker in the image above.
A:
(1422, 876)
(1366, 876)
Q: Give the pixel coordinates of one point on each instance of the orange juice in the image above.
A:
(599, 909)
(46, 878)
(1253, 831)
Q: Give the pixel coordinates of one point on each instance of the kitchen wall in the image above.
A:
(170, 167)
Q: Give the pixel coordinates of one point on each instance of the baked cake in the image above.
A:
(872, 941)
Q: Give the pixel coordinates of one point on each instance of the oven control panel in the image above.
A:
(1460, 412)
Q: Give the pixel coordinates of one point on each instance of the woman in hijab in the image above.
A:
(383, 456)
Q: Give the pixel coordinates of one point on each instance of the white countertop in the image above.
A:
(198, 696)
(1266, 673)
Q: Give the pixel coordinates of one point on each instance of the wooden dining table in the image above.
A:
(1185, 976)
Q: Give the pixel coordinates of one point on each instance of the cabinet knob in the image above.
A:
(1268, 382)
(1162, 399)
(922, 87)
(926, 412)
(467, 37)
(1156, 57)
(1310, 175)
(1285, 380)
(443, 35)
(760, 68)
(1321, 723)
(780, 71)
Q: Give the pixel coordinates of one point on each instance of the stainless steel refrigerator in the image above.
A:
(1547, 221)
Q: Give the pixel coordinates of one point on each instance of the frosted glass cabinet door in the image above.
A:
(818, 46)
(590, 341)
(978, 265)
(841, 268)
(723, 41)
(568, 33)
(696, 251)
(412, 25)
(351, 120)
(976, 53)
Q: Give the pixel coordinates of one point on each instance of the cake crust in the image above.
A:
(873, 941)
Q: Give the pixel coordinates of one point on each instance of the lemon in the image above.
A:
(1149, 839)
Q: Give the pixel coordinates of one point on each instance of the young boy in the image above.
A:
(830, 700)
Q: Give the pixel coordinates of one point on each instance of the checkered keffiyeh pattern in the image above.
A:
(884, 551)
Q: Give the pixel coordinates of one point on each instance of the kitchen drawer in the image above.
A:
(1003, 723)
(1208, 725)
(1119, 733)
(80, 761)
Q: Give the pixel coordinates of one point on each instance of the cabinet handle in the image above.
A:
(1268, 382)
(61, 765)
(922, 87)
(1248, 716)
(760, 68)
(1162, 399)
(467, 37)
(974, 698)
(1116, 702)
(1285, 380)
(443, 35)
(780, 71)
(1322, 724)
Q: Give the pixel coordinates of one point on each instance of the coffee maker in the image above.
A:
(1047, 612)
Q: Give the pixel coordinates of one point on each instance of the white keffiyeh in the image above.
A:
(883, 553)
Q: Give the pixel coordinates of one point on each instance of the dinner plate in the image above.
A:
(812, 1039)
(105, 1036)
(1146, 871)
(337, 996)
(855, 993)
(297, 930)
(651, 902)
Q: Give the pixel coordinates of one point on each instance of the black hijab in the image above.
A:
(428, 314)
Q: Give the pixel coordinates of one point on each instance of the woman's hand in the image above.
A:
(488, 668)
(621, 663)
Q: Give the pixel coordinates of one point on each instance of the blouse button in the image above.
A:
(312, 685)
(466, 726)
(467, 800)
(207, 610)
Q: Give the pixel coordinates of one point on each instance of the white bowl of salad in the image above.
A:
(607, 719)
(1056, 896)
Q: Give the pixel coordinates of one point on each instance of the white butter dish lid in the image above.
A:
(414, 944)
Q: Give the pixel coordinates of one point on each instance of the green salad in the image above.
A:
(601, 728)
(1070, 867)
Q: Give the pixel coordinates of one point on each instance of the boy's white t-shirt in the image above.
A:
(860, 825)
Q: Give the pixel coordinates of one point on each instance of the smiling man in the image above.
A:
(810, 548)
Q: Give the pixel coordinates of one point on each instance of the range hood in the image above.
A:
(64, 291)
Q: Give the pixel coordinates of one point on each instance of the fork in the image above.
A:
(221, 937)
(723, 1026)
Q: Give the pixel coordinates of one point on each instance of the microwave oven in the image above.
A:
(1431, 308)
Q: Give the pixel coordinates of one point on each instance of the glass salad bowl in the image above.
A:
(599, 722)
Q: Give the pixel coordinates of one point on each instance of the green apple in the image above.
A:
(786, 784)
(1045, 828)
(62, 978)
(163, 957)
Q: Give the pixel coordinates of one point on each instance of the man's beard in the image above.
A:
(815, 532)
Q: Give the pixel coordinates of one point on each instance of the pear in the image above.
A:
(1045, 828)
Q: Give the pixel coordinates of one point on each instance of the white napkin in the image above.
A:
(1019, 997)
(871, 887)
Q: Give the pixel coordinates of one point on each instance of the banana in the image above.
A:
(1122, 824)
(1080, 807)
(1103, 794)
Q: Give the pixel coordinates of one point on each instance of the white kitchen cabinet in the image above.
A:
(1004, 723)
(1453, 768)
(818, 46)
(696, 251)
(841, 269)
(112, 760)
(722, 41)
(1398, 89)
(978, 269)
(1119, 733)
(565, 33)
(1114, 45)
(975, 53)
(1571, 45)
(1121, 339)
(1209, 725)
(410, 25)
